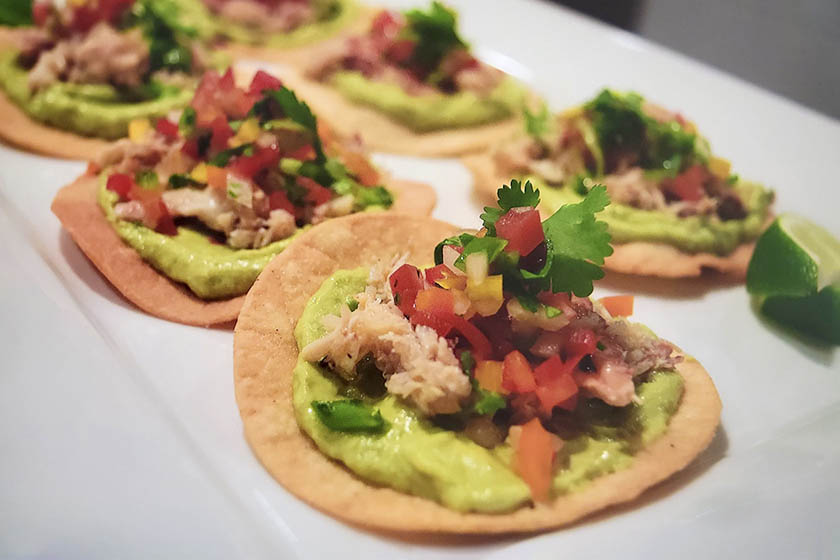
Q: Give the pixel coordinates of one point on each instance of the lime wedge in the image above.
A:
(794, 257)
(795, 274)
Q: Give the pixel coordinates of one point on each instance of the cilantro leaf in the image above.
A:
(16, 12)
(181, 180)
(349, 415)
(456, 241)
(513, 196)
(364, 197)
(467, 362)
(488, 402)
(577, 244)
(223, 158)
(300, 113)
(435, 33)
(537, 124)
(162, 29)
(491, 246)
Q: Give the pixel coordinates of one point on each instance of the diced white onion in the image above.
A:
(477, 267)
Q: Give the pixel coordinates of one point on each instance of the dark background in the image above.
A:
(790, 47)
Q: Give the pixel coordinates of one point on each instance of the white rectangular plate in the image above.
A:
(119, 432)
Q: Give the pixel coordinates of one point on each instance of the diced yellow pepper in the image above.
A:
(453, 282)
(248, 132)
(690, 127)
(572, 112)
(720, 167)
(199, 172)
(488, 373)
(486, 297)
(137, 129)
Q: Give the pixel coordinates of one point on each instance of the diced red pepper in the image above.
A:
(315, 193)
(555, 384)
(442, 324)
(688, 185)
(534, 458)
(279, 200)
(517, 376)
(263, 158)
(477, 340)
(405, 283)
(436, 301)
(190, 148)
(221, 133)
(522, 228)
(121, 184)
(167, 128)
(436, 273)
(262, 81)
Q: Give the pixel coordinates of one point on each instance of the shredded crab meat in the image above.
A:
(419, 366)
(281, 16)
(103, 56)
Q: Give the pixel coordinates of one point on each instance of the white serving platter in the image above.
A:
(120, 436)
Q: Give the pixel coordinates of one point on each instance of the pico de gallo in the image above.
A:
(498, 340)
(275, 16)
(80, 65)
(420, 55)
(648, 158)
(245, 167)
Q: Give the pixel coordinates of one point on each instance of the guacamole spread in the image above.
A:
(339, 14)
(210, 270)
(692, 234)
(88, 109)
(428, 112)
(416, 457)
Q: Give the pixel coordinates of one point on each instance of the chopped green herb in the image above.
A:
(537, 124)
(186, 123)
(349, 415)
(352, 303)
(147, 179)
(181, 180)
(435, 34)
(162, 29)
(491, 246)
(600, 346)
(467, 362)
(223, 158)
(488, 402)
(552, 312)
(455, 241)
(16, 12)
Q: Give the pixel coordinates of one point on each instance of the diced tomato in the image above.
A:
(405, 283)
(279, 200)
(303, 153)
(517, 376)
(555, 384)
(488, 373)
(401, 50)
(435, 273)
(315, 193)
(190, 148)
(167, 128)
(522, 228)
(263, 158)
(217, 96)
(386, 24)
(618, 306)
(436, 301)
(688, 185)
(580, 343)
(165, 222)
(121, 184)
(41, 12)
(221, 133)
(534, 458)
(263, 81)
(217, 177)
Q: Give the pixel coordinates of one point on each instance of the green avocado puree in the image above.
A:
(425, 113)
(692, 234)
(210, 270)
(416, 457)
(195, 14)
(87, 109)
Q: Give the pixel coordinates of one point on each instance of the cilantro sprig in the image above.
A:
(576, 244)
(435, 33)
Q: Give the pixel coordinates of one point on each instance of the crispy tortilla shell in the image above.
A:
(265, 355)
(77, 207)
(379, 132)
(636, 257)
(20, 130)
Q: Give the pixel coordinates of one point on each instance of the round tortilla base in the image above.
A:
(265, 354)
(77, 207)
(636, 257)
(379, 132)
(19, 129)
